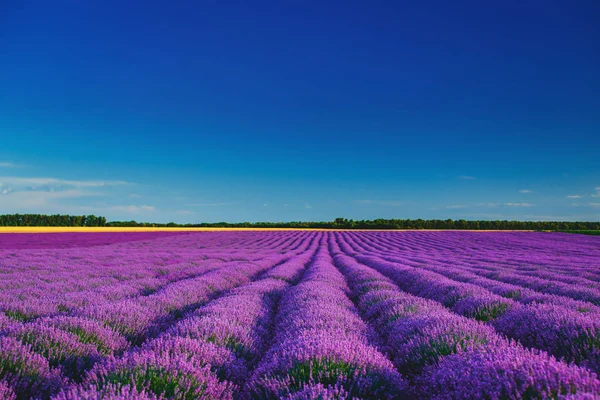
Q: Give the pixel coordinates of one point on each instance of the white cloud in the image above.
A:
(7, 165)
(594, 204)
(518, 204)
(455, 206)
(487, 204)
(20, 181)
(466, 178)
(37, 200)
(574, 196)
(525, 191)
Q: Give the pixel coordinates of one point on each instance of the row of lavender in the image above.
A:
(566, 327)
(288, 315)
(43, 353)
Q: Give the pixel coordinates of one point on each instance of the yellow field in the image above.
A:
(58, 229)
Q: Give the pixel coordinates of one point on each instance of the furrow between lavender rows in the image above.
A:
(444, 355)
(566, 334)
(454, 269)
(564, 283)
(68, 287)
(208, 354)
(571, 266)
(71, 345)
(321, 348)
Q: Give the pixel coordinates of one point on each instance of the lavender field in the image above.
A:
(299, 315)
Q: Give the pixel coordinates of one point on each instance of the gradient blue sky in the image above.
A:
(253, 110)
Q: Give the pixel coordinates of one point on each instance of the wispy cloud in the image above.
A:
(466, 177)
(14, 201)
(5, 164)
(574, 196)
(594, 204)
(487, 204)
(525, 191)
(455, 206)
(35, 182)
(518, 204)
(308, 206)
(392, 203)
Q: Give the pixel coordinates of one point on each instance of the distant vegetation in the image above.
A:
(338, 223)
(51, 220)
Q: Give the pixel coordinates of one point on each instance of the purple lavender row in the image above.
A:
(321, 346)
(69, 279)
(6, 392)
(26, 373)
(454, 269)
(54, 298)
(62, 291)
(568, 335)
(140, 317)
(207, 354)
(72, 356)
(566, 328)
(573, 267)
(448, 356)
(557, 287)
(71, 350)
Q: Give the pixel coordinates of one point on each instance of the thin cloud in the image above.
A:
(574, 196)
(518, 204)
(37, 199)
(525, 191)
(466, 178)
(20, 181)
(594, 204)
(308, 206)
(455, 206)
(7, 165)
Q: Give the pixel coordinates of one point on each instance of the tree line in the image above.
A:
(51, 220)
(338, 223)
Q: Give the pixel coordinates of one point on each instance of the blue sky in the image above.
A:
(248, 111)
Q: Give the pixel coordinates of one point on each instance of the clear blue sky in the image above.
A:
(259, 110)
